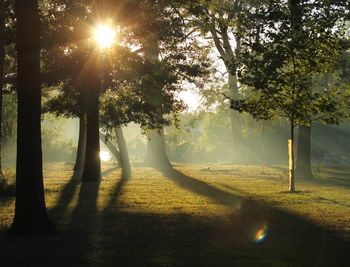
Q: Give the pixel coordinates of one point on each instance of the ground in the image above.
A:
(193, 215)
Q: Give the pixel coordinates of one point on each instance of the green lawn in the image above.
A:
(194, 215)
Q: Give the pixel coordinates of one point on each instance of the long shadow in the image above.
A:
(253, 214)
(109, 170)
(117, 189)
(334, 177)
(65, 198)
(201, 188)
(255, 234)
(88, 222)
(84, 223)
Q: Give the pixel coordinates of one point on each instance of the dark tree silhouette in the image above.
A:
(31, 217)
(80, 157)
(91, 87)
(303, 160)
(2, 63)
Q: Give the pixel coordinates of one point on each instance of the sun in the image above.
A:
(105, 155)
(105, 36)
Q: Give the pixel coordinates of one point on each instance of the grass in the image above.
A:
(193, 215)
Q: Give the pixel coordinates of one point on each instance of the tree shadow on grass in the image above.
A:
(109, 171)
(65, 198)
(287, 235)
(201, 188)
(338, 177)
(332, 177)
(249, 234)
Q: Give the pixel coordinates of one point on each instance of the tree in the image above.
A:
(169, 49)
(30, 211)
(81, 149)
(138, 89)
(149, 71)
(322, 82)
(91, 85)
(5, 7)
(221, 20)
(303, 160)
(72, 60)
(285, 45)
(2, 63)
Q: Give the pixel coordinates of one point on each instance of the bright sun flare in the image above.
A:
(105, 36)
(105, 155)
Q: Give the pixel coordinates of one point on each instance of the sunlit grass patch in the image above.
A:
(224, 215)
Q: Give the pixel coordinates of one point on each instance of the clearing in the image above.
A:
(193, 215)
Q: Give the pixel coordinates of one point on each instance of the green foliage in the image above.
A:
(283, 48)
(135, 88)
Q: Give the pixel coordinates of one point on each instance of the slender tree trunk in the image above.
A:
(91, 84)
(303, 162)
(111, 147)
(30, 210)
(156, 155)
(124, 154)
(292, 169)
(2, 63)
(81, 149)
(263, 148)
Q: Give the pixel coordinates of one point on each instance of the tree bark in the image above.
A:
(92, 166)
(111, 148)
(230, 59)
(31, 217)
(91, 86)
(292, 169)
(81, 149)
(234, 115)
(124, 154)
(2, 63)
(263, 147)
(156, 154)
(303, 161)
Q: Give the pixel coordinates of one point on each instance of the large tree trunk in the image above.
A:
(2, 63)
(111, 147)
(81, 149)
(235, 116)
(156, 154)
(30, 210)
(90, 82)
(303, 162)
(92, 166)
(124, 155)
(230, 58)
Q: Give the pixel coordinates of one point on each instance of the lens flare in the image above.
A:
(261, 234)
(105, 36)
(105, 156)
